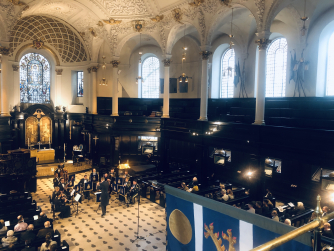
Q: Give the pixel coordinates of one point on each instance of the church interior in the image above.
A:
(184, 109)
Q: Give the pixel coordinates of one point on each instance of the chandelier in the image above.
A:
(104, 80)
(304, 19)
(231, 35)
(184, 53)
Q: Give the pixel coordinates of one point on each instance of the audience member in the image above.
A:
(43, 232)
(224, 196)
(53, 247)
(28, 235)
(327, 232)
(11, 239)
(3, 228)
(48, 243)
(300, 207)
(258, 207)
(28, 247)
(265, 209)
(269, 203)
(251, 208)
(274, 215)
(287, 222)
(230, 194)
(21, 225)
(268, 195)
(325, 210)
(41, 220)
(313, 216)
(184, 186)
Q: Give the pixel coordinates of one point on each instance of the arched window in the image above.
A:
(330, 68)
(150, 83)
(227, 74)
(34, 79)
(276, 68)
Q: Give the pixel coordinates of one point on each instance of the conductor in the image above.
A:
(103, 185)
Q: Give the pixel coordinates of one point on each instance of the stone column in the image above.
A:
(262, 42)
(165, 109)
(115, 64)
(16, 84)
(4, 81)
(204, 86)
(59, 101)
(94, 91)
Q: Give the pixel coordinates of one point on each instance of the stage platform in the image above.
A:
(47, 170)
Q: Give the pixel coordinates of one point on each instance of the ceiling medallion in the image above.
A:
(177, 14)
(139, 25)
(157, 18)
(196, 3)
(100, 24)
(112, 21)
(38, 44)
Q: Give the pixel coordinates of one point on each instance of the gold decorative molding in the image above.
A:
(94, 68)
(177, 14)
(4, 50)
(100, 24)
(205, 54)
(17, 2)
(262, 43)
(196, 3)
(167, 62)
(115, 63)
(59, 72)
(15, 67)
(138, 25)
(89, 69)
(226, 2)
(209, 232)
(82, 34)
(92, 31)
(38, 44)
(112, 21)
(19, 52)
(157, 18)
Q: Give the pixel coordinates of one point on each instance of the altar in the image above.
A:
(43, 155)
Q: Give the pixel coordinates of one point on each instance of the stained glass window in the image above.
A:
(276, 68)
(150, 72)
(80, 83)
(330, 68)
(34, 79)
(227, 74)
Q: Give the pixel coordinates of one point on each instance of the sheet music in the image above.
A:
(291, 204)
(77, 197)
(280, 209)
(97, 193)
(35, 217)
(7, 223)
(73, 191)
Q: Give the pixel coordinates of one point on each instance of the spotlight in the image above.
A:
(194, 133)
(249, 174)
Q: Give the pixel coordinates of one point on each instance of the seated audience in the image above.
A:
(28, 235)
(11, 239)
(222, 186)
(268, 195)
(274, 215)
(300, 207)
(251, 208)
(195, 188)
(193, 183)
(21, 225)
(3, 228)
(258, 207)
(224, 196)
(269, 203)
(184, 186)
(287, 222)
(43, 232)
(28, 247)
(327, 232)
(265, 209)
(230, 194)
(325, 210)
(48, 243)
(41, 220)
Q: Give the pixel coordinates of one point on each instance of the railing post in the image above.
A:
(317, 231)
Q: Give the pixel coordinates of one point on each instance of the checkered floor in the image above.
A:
(116, 231)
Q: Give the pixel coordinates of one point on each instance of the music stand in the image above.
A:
(88, 187)
(138, 237)
(98, 199)
(77, 198)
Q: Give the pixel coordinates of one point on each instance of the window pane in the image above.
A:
(227, 74)
(150, 84)
(80, 83)
(330, 68)
(34, 79)
(276, 68)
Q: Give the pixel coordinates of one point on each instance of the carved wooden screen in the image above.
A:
(31, 131)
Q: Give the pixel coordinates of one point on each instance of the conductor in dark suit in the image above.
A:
(103, 185)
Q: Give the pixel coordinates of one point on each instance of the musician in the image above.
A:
(106, 176)
(56, 180)
(63, 187)
(55, 193)
(127, 185)
(103, 185)
(82, 184)
(126, 175)
(94, 176)
(65, 211)
(112, 175)
(134, 190)
(71, 182)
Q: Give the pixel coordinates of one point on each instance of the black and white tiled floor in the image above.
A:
(88, 231)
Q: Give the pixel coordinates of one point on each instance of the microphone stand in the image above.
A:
(138, 237)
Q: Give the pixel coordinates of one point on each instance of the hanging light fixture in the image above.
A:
(304, 19)
(104, 80)
(140, 54)
(184, 53)
(231, 35)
